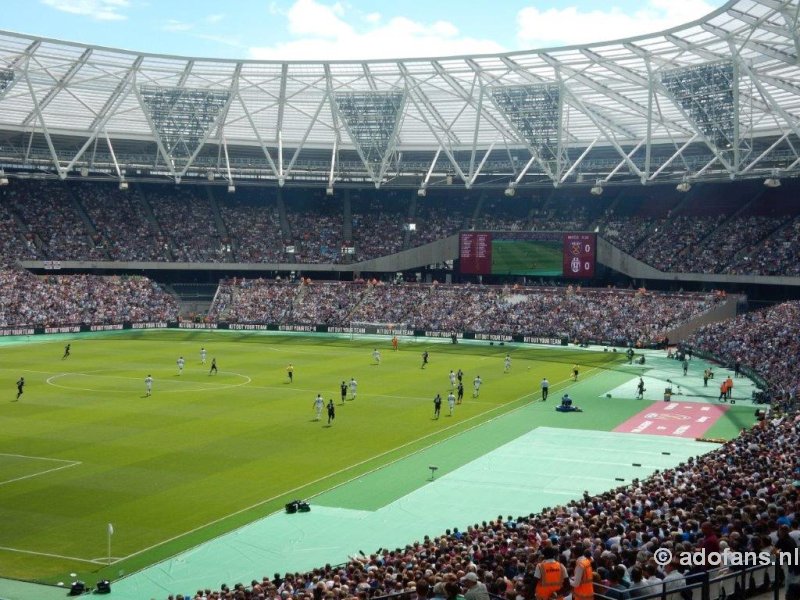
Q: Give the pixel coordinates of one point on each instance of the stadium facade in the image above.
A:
(717, 99)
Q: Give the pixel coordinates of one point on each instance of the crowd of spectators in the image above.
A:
(776, 254)
(767, 341)
(122, 224)
(13, 244)
(50, 215)
(579, 314)
(741, 497)
(253, 301)
(628, 233)
(30, 300)
(723, 244)
(667, 246)
(377, 233)
(256, 231)
(317, 237)
(95, 221)
(186, 217)
(434, 223)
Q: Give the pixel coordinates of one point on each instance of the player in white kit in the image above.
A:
(319, 403)
(451, 402)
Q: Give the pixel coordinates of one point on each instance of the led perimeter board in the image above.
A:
(532, 253)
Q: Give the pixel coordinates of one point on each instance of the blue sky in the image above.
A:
(344, 29)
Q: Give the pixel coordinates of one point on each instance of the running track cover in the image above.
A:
(688, 420)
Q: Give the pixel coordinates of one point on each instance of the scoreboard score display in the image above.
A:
(534, 253)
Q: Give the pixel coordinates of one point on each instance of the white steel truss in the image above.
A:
(716, 98)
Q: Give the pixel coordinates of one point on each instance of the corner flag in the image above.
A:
(110, 529)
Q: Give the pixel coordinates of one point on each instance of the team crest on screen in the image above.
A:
(575, 247)
(576, 265)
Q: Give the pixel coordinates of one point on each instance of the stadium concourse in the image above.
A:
(741, 230)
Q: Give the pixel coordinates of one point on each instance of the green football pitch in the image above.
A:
(517, 257)
(207, 453)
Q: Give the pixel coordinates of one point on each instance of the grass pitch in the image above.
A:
(85, 447)
(205, 454)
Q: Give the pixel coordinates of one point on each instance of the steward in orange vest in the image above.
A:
(550, 577)
(582, 586)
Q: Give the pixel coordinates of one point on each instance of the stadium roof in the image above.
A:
(718, 98)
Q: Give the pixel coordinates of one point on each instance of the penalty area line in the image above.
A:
(32, 475)
(51, 555)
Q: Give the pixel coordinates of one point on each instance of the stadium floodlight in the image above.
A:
(684, 186)
(597, 188)
(422, 192)
(123, 185)
(84, 171)
(210, 175)
(231, 188)
(773, 180)
(511, 189)
(449, 179)
(329, 191)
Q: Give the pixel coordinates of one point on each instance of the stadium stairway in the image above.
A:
(151, 217)
(23, 227)
(284, 219)
(193, 298)
(87, 221)
(412, 212)
(218, 221)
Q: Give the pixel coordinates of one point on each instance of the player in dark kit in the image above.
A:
(66, 352)
(213, 368)
(343, 389)
(331, 411)
(424, 359)
(20, 385)
(437, 406)
(460, 393)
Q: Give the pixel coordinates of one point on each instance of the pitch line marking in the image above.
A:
(214, 387)
(39, 473)
(50, 555)
(38, 457)
(342, 470)
(70, 463)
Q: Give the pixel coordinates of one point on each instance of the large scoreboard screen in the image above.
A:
(533, 253)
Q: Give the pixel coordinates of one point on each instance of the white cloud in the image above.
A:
(322, 32)
(213, 19)
(173, 25)
(309, 17)
(572, 25)
(99, 10)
